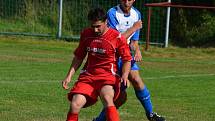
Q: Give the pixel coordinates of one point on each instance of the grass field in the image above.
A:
(181, 82)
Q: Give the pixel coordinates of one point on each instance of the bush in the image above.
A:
(192, 28)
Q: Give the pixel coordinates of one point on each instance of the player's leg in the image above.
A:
(143, 94)
(101, 117)
(119, 102)
(141, 91)
(107, 95)
(78, 101)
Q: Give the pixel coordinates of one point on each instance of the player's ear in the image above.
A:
(106, 21)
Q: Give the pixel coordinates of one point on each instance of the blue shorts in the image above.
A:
(134, 66)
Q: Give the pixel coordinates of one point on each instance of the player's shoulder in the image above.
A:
(112, 10)
(87, 32)
(116, 34)
(135, 10)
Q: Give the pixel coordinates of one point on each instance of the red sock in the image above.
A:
(112, 114)
(72, 116)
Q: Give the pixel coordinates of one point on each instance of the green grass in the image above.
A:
(26, 27)
(181, 82)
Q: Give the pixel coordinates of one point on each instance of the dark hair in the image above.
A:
(97, 14)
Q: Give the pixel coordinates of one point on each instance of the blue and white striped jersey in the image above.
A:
(121, 22)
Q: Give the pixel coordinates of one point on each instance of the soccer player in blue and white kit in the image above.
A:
(127, 20)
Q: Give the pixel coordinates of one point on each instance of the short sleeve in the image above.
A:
(111, 17)
(123, 49)
(81, 50)
(136, 35)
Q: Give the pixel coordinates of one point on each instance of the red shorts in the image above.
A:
(90, 86)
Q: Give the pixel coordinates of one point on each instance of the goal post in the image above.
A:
(165, 8)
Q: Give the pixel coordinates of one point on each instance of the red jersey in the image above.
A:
(103, 51)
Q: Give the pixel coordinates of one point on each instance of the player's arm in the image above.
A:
(137, 53)
(136, 26)
(134, 43)
(125, 71)
(113, 22)
(125, 55)
(76, 63)
(79, 55)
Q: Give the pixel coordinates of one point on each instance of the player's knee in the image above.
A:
(134, 77)
(108, 100)
(137, 82)
(75, 105)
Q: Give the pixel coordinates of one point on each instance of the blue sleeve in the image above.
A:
(136, 35)
(111, 17)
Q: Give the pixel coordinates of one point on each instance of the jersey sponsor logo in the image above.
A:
(97, 40)
(127, 23)
(96, 50)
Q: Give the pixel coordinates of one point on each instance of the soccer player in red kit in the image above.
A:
(102, 46)
(126, 19)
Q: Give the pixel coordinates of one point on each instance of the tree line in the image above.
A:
(188, 27)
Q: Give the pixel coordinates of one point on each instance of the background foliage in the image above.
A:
(193, 27)
(188, 27)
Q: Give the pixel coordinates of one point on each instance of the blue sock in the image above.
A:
(102, 116)
(144, 98)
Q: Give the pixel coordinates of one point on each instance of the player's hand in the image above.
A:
(125, 81)
(138, 25)
(65, 83)
(138, 56)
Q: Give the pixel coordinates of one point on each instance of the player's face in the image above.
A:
(127, 4)
(99, 27)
